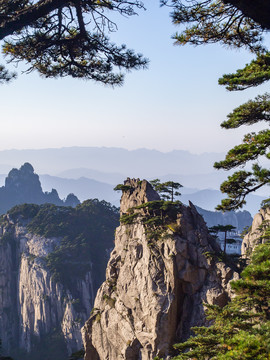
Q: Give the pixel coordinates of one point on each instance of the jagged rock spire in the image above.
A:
(155, 286)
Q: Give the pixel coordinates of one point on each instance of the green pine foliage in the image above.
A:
(228, 23)
(24, 211)
(167, 190)
(122, 187)
(253, 74)
(5, 75)
(241, 329)
(213, 21)
(225, 229)
(157, 217)
(265, 203)
(67, 38)
(254, 145)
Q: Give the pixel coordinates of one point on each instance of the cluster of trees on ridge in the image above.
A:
(56, 38)
(86, 231)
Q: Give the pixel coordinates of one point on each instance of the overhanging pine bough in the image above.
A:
(68, 38)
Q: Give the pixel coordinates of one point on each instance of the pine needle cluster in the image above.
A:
(67, 38)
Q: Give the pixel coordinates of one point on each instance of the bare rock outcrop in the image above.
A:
(254, 236)
(138, 192)
(154, 289)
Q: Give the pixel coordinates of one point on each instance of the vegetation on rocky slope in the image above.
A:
(241, 329)
(157, 217)
(85, 232)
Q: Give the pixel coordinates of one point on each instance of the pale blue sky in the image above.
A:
(175, 104)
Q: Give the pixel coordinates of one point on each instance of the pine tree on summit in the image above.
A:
(167, 190)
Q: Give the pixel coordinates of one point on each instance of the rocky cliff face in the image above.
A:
(48, 283)
(254, 236)
(31, 303)
(156, 281)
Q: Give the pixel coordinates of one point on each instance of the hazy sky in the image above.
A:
(175, 104)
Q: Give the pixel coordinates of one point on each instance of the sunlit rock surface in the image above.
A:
(154, 291)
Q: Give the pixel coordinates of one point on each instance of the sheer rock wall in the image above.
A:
(32, 304)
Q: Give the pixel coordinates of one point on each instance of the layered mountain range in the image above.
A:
(24, 186)
(92, 172)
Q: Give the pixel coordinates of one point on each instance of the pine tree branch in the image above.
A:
(29, 15)
(253, 74)
(249, 113)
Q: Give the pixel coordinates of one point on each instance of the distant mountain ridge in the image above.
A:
(141, 163)
(86, 188)
(209, 198)
(239, 219)
(102, 176)
(83, 187)
(23, 186)
(111, 165)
